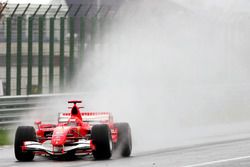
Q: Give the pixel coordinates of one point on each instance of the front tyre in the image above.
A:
(24, 133)
(101, 138)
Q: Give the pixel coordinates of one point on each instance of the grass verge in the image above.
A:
(4, 137)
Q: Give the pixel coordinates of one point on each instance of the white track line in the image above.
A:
(218, 161)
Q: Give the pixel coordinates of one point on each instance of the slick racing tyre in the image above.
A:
(124, 143)
(24, 133)
(101, 138)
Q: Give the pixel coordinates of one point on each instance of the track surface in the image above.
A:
(229, 153)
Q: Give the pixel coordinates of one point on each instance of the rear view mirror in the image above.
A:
(38, 123)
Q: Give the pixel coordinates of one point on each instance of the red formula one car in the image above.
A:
(76, 133)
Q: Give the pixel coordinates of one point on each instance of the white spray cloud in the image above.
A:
(172, 70)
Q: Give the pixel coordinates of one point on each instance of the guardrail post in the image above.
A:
(82, 39)
(94, 32)
(19, 55)
(30, 38)
(71, 47)
(103, 22)
(8, 56)
(62, 27)
(51, 55)
(40, 54)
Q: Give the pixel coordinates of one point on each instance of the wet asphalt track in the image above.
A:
(220, 154)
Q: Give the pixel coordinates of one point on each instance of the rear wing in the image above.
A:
(88, 117)
(74, 101)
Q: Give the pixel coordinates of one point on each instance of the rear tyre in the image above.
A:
(24, 133)
(101, 138)
(124, 143)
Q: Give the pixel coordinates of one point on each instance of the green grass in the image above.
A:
(4, 137)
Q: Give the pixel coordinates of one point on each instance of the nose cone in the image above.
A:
(59, 136)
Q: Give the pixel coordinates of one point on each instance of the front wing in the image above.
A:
(46, 147)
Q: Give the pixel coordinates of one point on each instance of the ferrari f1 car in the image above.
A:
(76, 133)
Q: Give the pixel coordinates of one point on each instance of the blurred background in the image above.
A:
(178, 69)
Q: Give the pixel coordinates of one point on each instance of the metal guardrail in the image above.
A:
(56, 36)
(14, 108)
